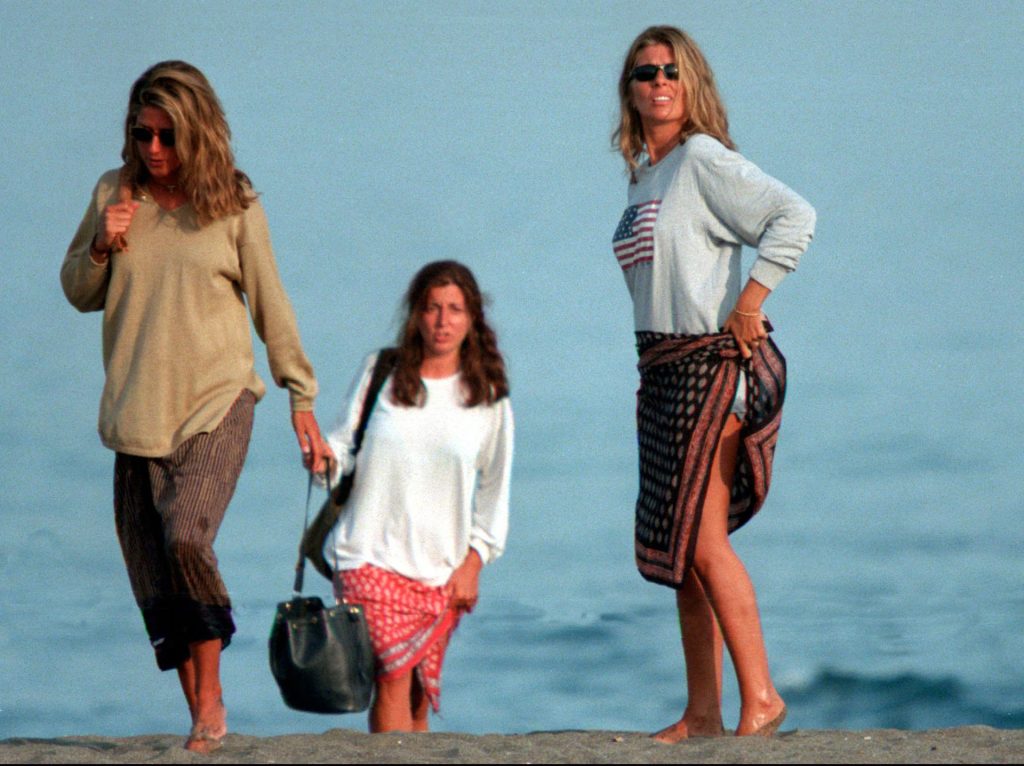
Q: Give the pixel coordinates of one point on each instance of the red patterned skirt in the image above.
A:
(410, 623)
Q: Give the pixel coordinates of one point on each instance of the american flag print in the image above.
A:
(634, 238)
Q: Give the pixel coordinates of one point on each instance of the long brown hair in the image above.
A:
(705, 111)
(481, 365)
(202, 139)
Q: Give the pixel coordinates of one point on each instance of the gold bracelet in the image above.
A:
(746, 313)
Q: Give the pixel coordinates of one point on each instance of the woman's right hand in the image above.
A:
(114, 224)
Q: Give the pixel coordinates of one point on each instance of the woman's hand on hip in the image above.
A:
(317, 455)
(746, 322)
(749, 332)
(465, 582)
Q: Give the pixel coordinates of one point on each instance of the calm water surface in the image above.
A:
(885, 567)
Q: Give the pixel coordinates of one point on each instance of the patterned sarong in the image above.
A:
(687, 387)
(410, 623)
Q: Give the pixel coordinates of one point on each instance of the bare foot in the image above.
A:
(208, 730)
(765, 723)
(202, 741)
(683, 729)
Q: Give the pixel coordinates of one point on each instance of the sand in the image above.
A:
(967, 744)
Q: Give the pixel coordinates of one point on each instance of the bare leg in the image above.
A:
(420, 706)
(731, 594)
(702, 649)
(187, 677)
(209, 722)
(392, 709)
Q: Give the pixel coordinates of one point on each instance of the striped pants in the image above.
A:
(167, 512)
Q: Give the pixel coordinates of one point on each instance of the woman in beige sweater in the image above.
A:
(174, 249)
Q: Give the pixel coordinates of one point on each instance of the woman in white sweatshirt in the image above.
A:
(429, 505)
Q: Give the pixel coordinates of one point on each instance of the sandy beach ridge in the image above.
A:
(966, 744)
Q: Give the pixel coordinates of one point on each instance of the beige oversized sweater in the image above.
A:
(177, 348)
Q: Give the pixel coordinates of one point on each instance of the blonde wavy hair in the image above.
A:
(202, 139)
(705, 112)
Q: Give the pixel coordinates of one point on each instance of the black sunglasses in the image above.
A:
(144, 135)
(647, 72)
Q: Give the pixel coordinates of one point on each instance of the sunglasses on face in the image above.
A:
(647, 72)
(144, 135)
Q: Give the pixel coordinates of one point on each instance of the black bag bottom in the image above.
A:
(321, 657)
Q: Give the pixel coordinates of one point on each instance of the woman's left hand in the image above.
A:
(316, 453)
(746, 322)
(465, 582)
(749, 331)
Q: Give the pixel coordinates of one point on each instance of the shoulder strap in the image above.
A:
(385, 363)
(386, 360)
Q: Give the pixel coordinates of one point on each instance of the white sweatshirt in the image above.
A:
(430, 481)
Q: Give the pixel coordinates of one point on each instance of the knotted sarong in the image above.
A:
(687, 387)
(410, 623)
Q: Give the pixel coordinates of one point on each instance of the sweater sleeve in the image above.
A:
(272, 312)
(84, 281)
(490, 509)
(341, 437)
(757, 209)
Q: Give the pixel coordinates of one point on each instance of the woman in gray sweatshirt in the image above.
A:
(712, 381)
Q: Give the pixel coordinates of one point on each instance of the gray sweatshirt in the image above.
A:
(680, 238)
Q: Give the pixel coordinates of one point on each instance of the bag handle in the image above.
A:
(300, 565)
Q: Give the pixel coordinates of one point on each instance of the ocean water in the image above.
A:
(887, 558)
(884, 563)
